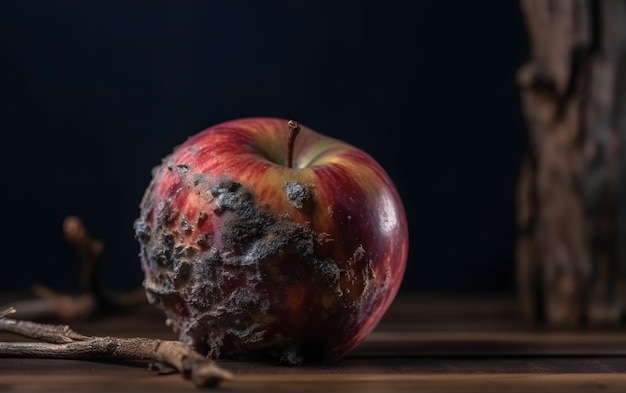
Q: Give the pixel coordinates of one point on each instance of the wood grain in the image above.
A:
(571, 208)
(422, 344)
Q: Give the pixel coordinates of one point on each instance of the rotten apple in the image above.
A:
(259, 235)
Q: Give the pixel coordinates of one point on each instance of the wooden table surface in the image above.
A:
(422, 345)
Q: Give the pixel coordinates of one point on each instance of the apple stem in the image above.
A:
(294, 129)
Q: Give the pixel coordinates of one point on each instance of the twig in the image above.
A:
(7, 312)
(94, 299)
(67, 307)
(90, 251)
(61, 342)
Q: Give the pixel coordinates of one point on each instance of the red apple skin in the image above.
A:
(246, 255)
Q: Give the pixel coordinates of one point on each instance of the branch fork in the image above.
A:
(61, 342)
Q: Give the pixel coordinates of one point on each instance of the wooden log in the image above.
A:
(571, 250)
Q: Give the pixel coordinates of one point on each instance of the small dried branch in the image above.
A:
(61, 342)
(7, 312)
(90, 251)
(56, 334)
(94, 298)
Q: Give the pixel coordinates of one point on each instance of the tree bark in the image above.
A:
(571, 251)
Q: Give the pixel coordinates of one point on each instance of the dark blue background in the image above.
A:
(95, 93)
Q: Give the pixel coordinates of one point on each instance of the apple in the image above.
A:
(260, 236)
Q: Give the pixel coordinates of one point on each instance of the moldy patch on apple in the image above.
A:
(297, 193)
(229, 293)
